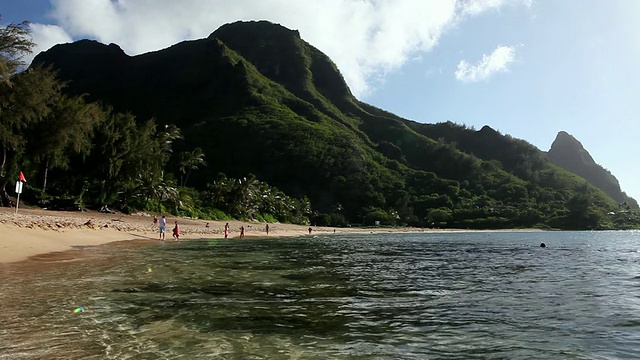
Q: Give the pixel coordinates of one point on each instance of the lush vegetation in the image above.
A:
(254, 123)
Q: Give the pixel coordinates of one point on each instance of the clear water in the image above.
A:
(377, 296)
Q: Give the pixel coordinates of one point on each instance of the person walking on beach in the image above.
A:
(226, 230)
(310, 230)
(266, 228)
(176, 232)
(163, 226)
(242, 232)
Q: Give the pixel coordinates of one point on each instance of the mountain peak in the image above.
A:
(568, 153)
(261, 28)
(283, 56)
(565, 139)
(486, 129)
(88, 48)
(566, 148)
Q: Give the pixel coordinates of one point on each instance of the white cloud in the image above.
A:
(366, 38)
(498, 61)
(475, 7)
(45, 36)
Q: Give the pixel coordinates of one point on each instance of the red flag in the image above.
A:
(22, 177)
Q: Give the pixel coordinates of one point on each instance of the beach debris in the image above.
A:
(149, 270)
(79, 309)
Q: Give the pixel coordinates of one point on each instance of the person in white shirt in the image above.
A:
(163, 226)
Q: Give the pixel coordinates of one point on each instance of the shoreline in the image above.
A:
(35, 232)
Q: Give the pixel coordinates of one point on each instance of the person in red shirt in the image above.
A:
(176, 232)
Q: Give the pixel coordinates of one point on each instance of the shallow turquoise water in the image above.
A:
(384, 296)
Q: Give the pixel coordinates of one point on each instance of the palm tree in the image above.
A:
(244, 197)
(190, 161)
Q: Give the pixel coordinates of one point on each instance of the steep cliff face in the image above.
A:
(568, 153)
(282, 56)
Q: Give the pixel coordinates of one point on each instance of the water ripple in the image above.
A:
(392, 296)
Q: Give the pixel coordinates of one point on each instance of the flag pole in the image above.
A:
(19, 190)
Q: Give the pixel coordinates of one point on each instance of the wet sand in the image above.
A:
(35, 231)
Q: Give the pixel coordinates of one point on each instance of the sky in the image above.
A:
(527, 68)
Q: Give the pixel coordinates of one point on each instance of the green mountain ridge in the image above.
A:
(568, 153)
(258, 99)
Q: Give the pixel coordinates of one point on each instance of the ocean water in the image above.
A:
(487, 295)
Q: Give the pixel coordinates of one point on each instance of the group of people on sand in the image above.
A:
(227, 231)
(162, 227)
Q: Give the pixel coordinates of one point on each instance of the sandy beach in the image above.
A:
(35, 231)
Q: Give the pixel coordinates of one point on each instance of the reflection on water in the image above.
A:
(383, 296)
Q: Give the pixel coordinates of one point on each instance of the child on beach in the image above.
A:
(176, 232)
(226, 230)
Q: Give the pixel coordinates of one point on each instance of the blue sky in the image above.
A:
(528, 68)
